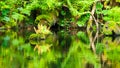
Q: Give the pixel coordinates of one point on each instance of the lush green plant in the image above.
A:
(112, 15)
(79, 7)
(65, 50)
(20, 11)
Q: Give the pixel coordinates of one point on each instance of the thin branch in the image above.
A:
(92, 40)
(97, 26)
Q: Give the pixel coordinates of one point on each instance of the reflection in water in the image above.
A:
(63, 49)
(109, 49)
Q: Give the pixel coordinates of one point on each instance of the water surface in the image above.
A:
(61, 49)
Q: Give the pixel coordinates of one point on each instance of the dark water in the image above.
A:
(62, 49)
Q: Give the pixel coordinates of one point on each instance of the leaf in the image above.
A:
(105, 12)
(25, 11)
(99, 7)
(82, 21)
(5, 12)
(112, 14)
(7, 19)
(17, 16)
(80, 24)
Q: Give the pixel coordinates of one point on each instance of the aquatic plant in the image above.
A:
(42, 29)
(41, 33)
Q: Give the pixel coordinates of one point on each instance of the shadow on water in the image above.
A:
(61, 49)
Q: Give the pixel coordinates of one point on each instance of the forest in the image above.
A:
(59, 33)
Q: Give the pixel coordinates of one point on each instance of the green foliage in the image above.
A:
(48, 51)
(64, 23)
(10, 12)
(110, 26)
(82, 21)
(49, 18)
(15, 12)
(99, 7)
(112, 15)
(83, 37)
(5, 9)
(110, 48)
(44, 4)
(39, 38)
(78, 55)
(113, 54)
(100, 48)
(78, 7)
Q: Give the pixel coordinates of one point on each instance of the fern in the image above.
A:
(44, 4)
(78, 7)
(50, 17)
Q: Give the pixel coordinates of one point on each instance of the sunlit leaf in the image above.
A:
(18, 16)
(80, 24)
(26, 11)
(112, 14)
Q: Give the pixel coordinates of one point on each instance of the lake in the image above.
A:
(61, 49)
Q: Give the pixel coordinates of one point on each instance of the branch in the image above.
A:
(90, 25)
